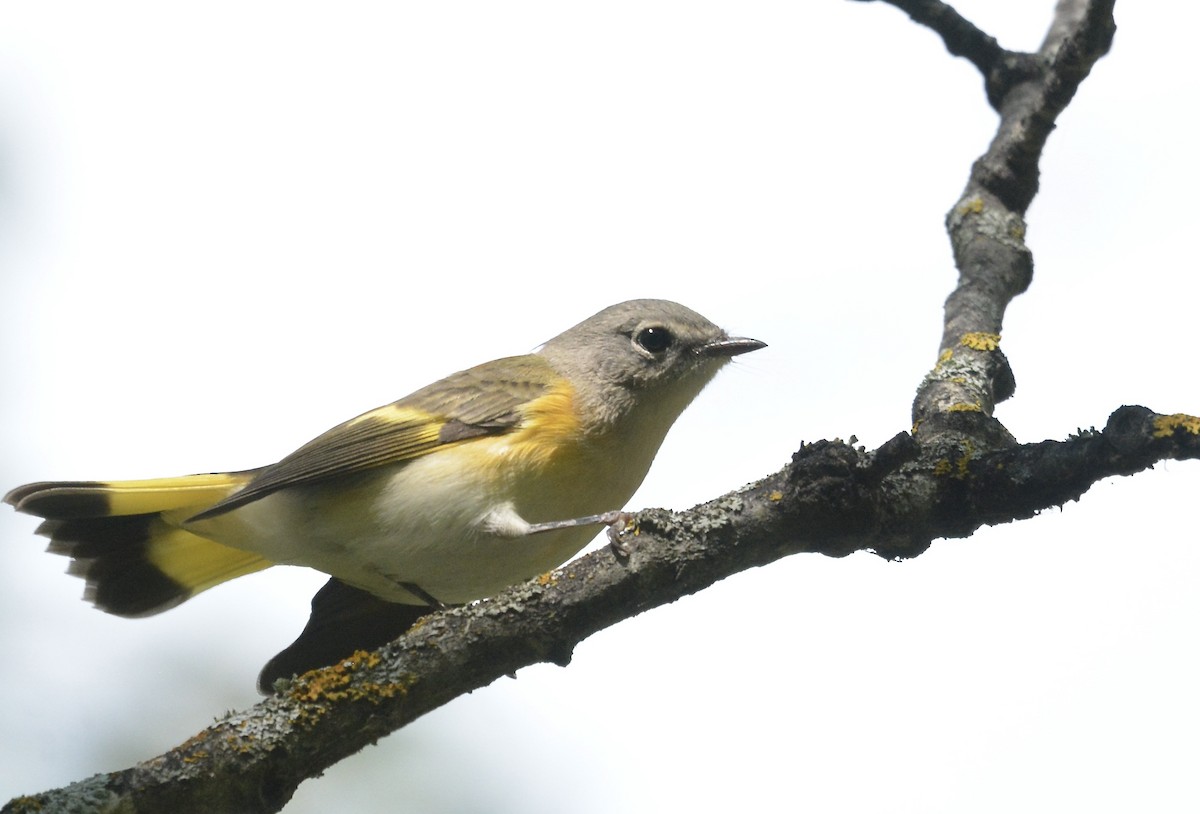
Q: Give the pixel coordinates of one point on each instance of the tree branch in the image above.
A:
(960, 35)
(832, 499)
(959, 470)
(954, 404)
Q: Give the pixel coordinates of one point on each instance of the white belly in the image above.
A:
(423, 523)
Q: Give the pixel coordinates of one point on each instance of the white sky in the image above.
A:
(225, 228)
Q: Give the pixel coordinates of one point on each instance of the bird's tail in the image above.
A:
(124, 538)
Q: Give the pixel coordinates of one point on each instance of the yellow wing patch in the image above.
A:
(519, 395)
(388, 435)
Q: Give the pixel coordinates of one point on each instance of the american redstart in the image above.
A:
(488, 477)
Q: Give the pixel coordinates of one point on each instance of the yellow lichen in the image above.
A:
(965, 461)
(547, 578)
(333, 683)
(964, 407)
(978, 340)
(242, 743)
(1166, 425)
(192, 749)
(775, 496)
(960, 466)
(944, 357)
(972, 207)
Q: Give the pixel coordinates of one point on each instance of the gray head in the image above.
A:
(642, 352)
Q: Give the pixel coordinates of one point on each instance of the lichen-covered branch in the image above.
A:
(955, 402)
(959, 470)
(1030, 100)
(833, 498)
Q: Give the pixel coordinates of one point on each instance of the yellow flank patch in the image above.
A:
(196, 562)
(1166, 425)
(977, 340)
(167, 494)
(550, 426)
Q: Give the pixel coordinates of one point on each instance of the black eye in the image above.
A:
(654, 340)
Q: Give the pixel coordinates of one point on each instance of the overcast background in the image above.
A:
(227, 227)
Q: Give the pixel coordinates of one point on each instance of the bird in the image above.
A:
(479, 481)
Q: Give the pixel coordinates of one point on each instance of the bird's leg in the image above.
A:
(607, 519)
(505, 522)
(618, 524)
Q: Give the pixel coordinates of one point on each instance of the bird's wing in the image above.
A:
(486, 400)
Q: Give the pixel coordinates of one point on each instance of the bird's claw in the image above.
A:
(621, 525)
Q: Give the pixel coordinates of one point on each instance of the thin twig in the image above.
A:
(987, 228)
(961, 36)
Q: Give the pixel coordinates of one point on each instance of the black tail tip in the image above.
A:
(112, 555)
(60, 500)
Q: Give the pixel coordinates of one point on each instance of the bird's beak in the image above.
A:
(730, 346)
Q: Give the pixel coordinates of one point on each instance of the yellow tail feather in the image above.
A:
(197, 563)
(62, 500)
(123, 538)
